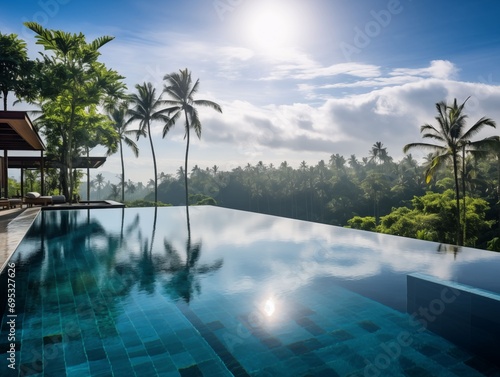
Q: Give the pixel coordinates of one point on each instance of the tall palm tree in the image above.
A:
(118, 115)
(147, 108)
(452, 136)
(379, 152)
(338, 162)
(180, 89)
(99, 183)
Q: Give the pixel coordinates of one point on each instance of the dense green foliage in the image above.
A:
(17, 72)
(433, 218)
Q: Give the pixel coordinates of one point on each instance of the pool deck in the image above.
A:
(14, 223)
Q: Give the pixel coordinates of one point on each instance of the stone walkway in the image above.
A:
(14, 223)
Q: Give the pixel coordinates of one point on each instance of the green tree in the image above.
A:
(72, 84)
(180, 89)
(362, 223)
(147, 109)
(16, 70)
(30, 178)
(451, 136)
(432, 218)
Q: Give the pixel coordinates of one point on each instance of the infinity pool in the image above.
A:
(144, 292)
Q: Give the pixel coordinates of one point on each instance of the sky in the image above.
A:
(297, 80)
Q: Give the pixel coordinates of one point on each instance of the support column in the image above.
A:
(22, 179)
(42, 176)
(5, 174)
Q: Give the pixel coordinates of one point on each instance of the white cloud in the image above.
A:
(350, 125)
(440, 69)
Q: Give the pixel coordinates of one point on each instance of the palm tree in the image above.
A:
(379, 152)
(147, 109)
(338, 162)
(99, 183)
(181, 91)
(453, 136)
(118, 116)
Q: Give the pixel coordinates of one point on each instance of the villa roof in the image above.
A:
(18, 133)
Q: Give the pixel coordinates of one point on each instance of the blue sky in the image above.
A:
(297, 80)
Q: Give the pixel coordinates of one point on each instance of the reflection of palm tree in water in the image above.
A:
(184, 281)
(149, 264)
(445, 248)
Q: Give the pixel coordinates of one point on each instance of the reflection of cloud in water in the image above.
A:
(295, 252)
(261, 253)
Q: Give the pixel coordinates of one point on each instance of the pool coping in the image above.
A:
(14, 232)
(101, 204)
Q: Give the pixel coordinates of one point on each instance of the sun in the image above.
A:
(270, 26)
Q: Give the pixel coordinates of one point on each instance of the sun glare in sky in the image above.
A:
(270, 27)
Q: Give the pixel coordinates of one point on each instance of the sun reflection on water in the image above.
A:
(269, 307)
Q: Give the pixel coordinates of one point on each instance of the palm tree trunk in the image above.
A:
(457, 199)
(4, 94)
(464, 209)
(186, 159)
(88, 176)
(154, 164)
(123, 172)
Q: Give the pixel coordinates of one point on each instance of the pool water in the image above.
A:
(145, 292)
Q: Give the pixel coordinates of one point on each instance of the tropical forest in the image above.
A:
(450, 196)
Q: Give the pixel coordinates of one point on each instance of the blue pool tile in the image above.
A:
(96, 354)
(182, 359)
(341, 335)
(191, 371)
(32, 369)
(213, 368)
(163, 364)
(78, 370)
(145, 369)
(99, 364)
(74, 353)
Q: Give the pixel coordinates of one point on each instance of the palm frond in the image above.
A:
(477, 127)
(101, 41)
(132, 145)
(435, 164)
(170, 123)
(210, 104)
(433, 147)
